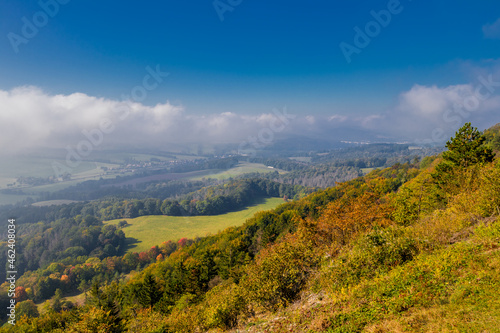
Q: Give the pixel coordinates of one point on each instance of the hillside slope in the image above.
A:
(402, 249)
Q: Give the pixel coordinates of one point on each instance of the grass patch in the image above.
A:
(15, 167)
(147, 231)
(53, 203)
(240, 169)
(301, 159)
(11, 199)
(367, 170)
(78, 299)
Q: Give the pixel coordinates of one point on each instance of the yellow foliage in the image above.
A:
(415, 199)
(223, 305)
(344, 219)
(185, 321)
(489, 194)
(95, 320)
(146, 320)
(279, 273)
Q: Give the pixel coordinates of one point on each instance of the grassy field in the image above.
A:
(367, 170)
(116, 156)
(38, 166)
(146, 231)
(14, 167)
(301, 159)
(10, 199)
(53, 203)
(240, 169)
(76, 299)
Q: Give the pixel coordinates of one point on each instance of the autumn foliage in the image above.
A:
(343, 220)
(374, 247)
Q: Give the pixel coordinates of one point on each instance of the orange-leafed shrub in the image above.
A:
(342, 220)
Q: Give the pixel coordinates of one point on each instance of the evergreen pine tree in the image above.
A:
(467, 148)
(149, 292)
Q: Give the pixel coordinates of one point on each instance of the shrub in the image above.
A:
(96, 320)
(415, 199)
(343, 220)
(27, 308)
(489, 234)
(489, 194)
(147, 321)
(279, 274)
(375, 253)
(223, 305)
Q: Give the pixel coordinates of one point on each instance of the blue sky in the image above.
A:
(263, 55)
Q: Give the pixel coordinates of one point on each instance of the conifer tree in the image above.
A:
(149, 292)
(467, 148)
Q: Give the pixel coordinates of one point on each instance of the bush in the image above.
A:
(489, 234)
(489, 194)
(147, 321)
(223, 305)
(406, 207)
(279, 274)
(415, 199)
(96, 320)
(375, 253)
(27, 308)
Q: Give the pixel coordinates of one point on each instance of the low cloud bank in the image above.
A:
(30, 118)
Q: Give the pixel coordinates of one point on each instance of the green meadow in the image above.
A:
(146, 231)
(240, 169)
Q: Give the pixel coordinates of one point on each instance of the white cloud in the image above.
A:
(31, 118)
(424, 111)
(492, 31)
(337, 118)
(430, 102)
(311, 120)
(370, 121)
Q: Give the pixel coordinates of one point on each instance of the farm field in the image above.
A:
(34, 166)
(11, 199)
(301, 159)
(53, 203)
(367, 170)
(165, 177)
(38, 166)
(119, 157)
(240, 169)
(87, 171)
(13, 167)
(146, 231)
